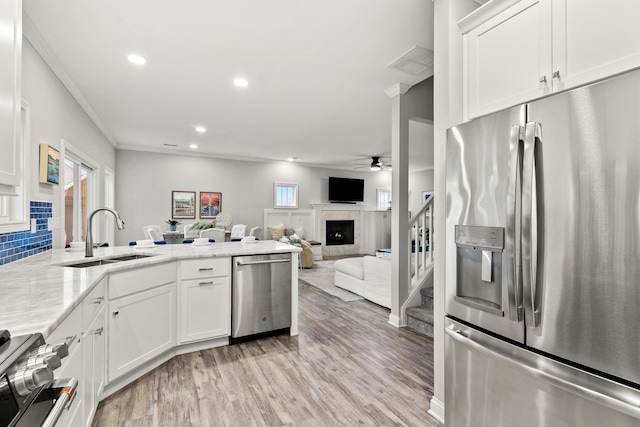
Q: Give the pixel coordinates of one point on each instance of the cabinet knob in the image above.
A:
(98, 331)
(98, 300)
(543, 79)
(115, 313)
(556, 74)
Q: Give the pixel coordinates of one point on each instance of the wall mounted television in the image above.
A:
(346, 190)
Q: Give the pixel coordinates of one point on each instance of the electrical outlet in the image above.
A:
(34, 226)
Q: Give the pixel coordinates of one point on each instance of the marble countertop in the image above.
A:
(37, 293)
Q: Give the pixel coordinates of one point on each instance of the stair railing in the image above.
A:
(420, 249)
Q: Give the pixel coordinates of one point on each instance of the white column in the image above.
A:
(400, 115)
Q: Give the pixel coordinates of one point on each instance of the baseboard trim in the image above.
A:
(437, 409)
(395, 320)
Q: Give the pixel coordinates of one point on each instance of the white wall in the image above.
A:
(448, 112)
(144, 182)
(56, 115)
(418, 182)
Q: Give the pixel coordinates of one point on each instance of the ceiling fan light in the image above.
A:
(375, 167)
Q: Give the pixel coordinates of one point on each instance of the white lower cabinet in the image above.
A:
(94, 366)
(140, 327)
(205, 299)
(204, 309)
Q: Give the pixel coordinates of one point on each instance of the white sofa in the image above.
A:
(368, 276)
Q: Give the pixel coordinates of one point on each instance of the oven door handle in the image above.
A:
(67, 392)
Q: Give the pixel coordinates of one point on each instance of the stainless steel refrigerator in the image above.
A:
(543, 262)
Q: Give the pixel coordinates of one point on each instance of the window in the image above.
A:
(285, 195)
(14, 201)
(383, 200)
(79, 193)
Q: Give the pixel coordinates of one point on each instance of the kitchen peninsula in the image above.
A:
(123, 319)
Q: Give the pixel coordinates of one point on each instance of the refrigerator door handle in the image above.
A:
(512, 229)
(601, 396)
(533, 134)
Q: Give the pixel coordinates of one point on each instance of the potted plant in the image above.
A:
(172, 224)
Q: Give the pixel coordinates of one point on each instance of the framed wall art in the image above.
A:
(210, 204)
(49, 170)
(183, 204)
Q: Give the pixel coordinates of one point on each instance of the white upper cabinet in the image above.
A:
(517, 51)
(10, 98)
(594, 39)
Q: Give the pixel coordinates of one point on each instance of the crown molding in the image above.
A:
(397, 89)
(38, 42)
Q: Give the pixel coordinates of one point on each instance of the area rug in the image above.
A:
(321, 276)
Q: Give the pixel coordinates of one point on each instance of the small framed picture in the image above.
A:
(426, 195)
(49, 171)
(183, 204)
(210, 204)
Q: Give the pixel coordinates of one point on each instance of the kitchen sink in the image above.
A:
(106, 261)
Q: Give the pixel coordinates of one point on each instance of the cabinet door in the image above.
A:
(10, 71)
(507, 59)
(140, 327)
(93, 351)
(593, 40)
(205, 308)
(72, 368)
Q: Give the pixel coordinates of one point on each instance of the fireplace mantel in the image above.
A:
(340, 211)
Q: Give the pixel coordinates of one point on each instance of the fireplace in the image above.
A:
(340, 233)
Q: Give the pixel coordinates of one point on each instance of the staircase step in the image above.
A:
(428, 292)
(426, 296)
(420, 319)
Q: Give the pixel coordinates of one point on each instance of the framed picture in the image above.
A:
(210, 204)
(183, 204)
(49, 171)
(426, 195)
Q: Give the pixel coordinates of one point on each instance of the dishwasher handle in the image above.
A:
(264, 261)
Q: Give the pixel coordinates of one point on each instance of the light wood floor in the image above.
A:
(347, 367)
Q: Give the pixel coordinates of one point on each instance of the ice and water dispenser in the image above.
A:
(479, 267)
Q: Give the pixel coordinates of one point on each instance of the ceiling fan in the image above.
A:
(376, 164)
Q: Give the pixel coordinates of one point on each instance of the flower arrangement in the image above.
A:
(203, 225)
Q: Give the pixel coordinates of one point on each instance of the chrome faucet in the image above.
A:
(89, 244)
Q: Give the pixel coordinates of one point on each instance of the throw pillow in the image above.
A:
(300, 232)
(276, 231)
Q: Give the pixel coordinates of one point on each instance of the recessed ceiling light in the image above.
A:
(241, 82)
(293, 159)
(137, 59)
(193, 146)
(201, 129)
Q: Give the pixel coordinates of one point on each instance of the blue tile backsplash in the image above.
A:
(21, 244)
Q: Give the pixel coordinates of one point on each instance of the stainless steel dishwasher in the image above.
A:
(261, 296)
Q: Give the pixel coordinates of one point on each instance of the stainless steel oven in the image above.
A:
(29, 394)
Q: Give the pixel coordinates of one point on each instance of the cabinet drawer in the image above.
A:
(134, 281)
(92, 304)
(205, 267)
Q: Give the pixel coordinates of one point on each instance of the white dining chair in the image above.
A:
(216, 234)
(152, 232)
(238, 231)
(255, 231)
